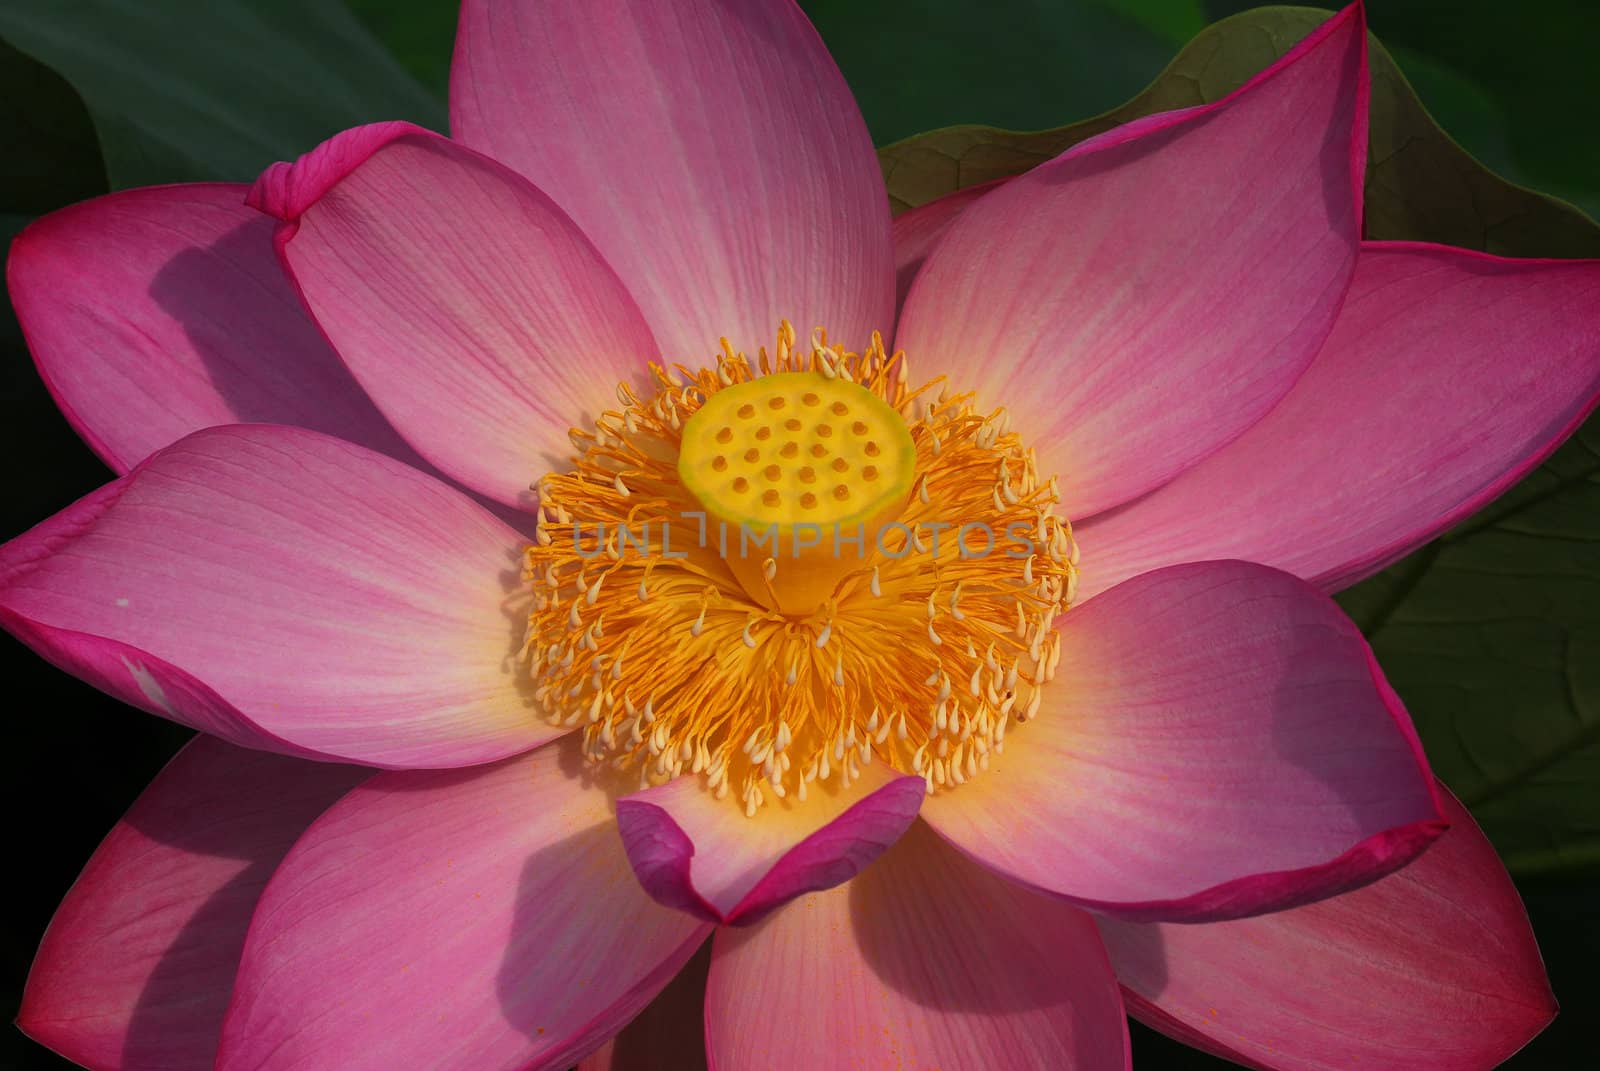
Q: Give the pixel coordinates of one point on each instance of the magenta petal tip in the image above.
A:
(285, 190)
(755, 868)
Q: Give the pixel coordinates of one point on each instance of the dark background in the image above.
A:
(1517, 84)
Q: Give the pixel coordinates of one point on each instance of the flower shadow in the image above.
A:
(268, 360)
(265, 357)
(1374, 789)
(920, 894)
(181, 1005)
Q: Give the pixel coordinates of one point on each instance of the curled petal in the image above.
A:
(703, 855)
(1218, 742)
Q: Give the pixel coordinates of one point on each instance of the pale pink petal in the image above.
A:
(924, 961)
(1434, 966)
(135, 970)
(918, 231)
(1142, 299)
(156, 312)
(670, 1034)
(472, 310)
(711, 150)
(289, 591)
(1448, 377)
(703, 855)
(486, 918)
(1217, 742)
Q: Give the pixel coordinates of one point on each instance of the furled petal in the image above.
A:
(1434, 966)
(919, 230)
(156, 312)
(135, 969)
(703, 855)
(1448, 376)
(288, 591)
(1217, 742)
(924, 961)
(670, 1034)
(1148, 295)
(486, 918)
(471, 309)
(711, 150)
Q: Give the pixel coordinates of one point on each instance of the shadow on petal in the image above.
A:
(184, 999)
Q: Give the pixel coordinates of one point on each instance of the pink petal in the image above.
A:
(703, 855)
(1448, 377)
(1148, 295)
(156, 312)
(1434, 966)
(472, 310)
(1217, 742)
(919, 230)
(135, 969)
(486, 918)
(711, 150)
(924, 961)
(288, 591)
(670, 1034)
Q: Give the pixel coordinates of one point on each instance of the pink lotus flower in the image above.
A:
(1172, 335)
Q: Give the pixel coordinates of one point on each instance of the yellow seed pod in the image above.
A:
(794, 448)
(806, 469)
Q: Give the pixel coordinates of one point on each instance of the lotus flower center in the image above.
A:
(771, 579)
(805, 463)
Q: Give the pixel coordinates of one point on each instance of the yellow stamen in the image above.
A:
(678, 646)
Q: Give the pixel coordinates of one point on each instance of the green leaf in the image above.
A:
(1492, 637)
(1491, 634)
(1535, 62)
(11, 225)
(1420, 183)
(1023, 63)
(51, 156)
(1172, 20)
(214, 89)
(420, 33)
(1473, 116)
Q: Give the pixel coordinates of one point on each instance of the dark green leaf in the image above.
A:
(1174, 21)
(420, 33)
(1024, 63)
(51, 156)
(1534, 61)
(12, 350)
(214, 89)
(1420, 183)
(1492, 637)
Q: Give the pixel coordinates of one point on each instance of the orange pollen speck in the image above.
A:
(682, 620)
